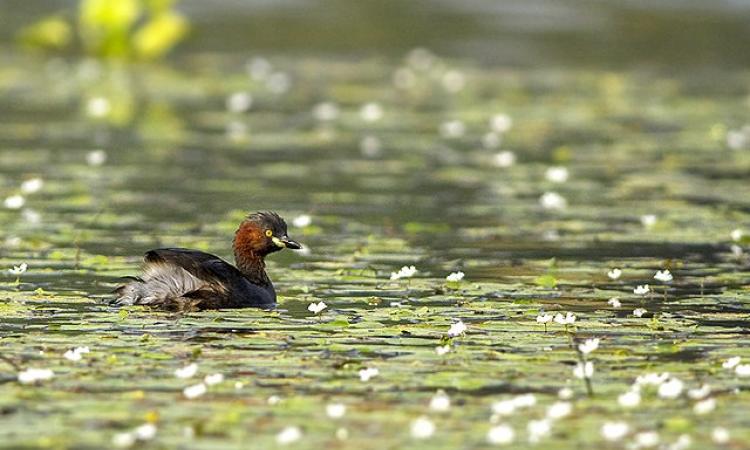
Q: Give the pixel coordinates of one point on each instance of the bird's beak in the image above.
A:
(288, 243)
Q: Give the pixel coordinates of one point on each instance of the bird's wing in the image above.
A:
(206, 267)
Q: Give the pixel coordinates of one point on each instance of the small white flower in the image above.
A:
(504, 407)
(289, 435)
(585, 370)
(504, 159)
(615, 273)
(18, 270)
(404, 272)
(568, 319)
(614, 302)
(14, 202)
(96, 158)
(671, 388)
(453, 81)
(700, 393)
(13, 241)
(565, 393)
(491, 140)
(742, 370)
(440, 402)
(558, 410)
(239, 102)
(629, 399)
(544, 318)
(326, 111)
(367, 373)
(500, 435)
(556, 174)
(442, 349)
(683, 442)
(639, 312)
(422, 428)
(524, 400)
(731, 363)
(641, 289)
(29, 376)
(188, 371)
(457, 329)
(720, 435)
(273, 400)
(302, 221)
(647, 439)
(145, 432)
(614, 431)
(371, 112)
(663, 276)
(214, 378)
(500, 123)
(455, 277)
(279, 83)
(370, 146)
(551, 235)
(31, 216)
(98, 107)
(194, 391)
(32, 185)
(123, 440)
(705, 406)
(259, 69)
(238, 385)
(538, 429)
(316, 308)
(552, 200)
(736, 234)
(648, 220)
(737, 139)
(452, 129)
(420, 59)
(75, 354)
(335, 410)
(588, 346)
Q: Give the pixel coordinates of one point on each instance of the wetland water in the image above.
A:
(533, 182)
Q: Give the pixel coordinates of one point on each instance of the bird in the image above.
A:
(186, 279)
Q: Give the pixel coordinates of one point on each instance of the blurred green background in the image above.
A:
(666, 34)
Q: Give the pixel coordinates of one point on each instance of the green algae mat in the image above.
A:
(579, 243)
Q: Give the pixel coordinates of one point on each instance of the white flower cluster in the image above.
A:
(367, 373)
(316, 308)
(145, 432)
(18, 270)
(741, 370)
(404, 272)
(455, 277)
(30, 376)
(196, 390)
(663, 276)
(457, 329)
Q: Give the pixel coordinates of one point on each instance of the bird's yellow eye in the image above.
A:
(269, 233)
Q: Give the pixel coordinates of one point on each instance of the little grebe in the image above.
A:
(178, 278)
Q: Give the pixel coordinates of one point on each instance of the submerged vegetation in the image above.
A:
(492, 256)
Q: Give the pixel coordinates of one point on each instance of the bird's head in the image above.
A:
(262, 233)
